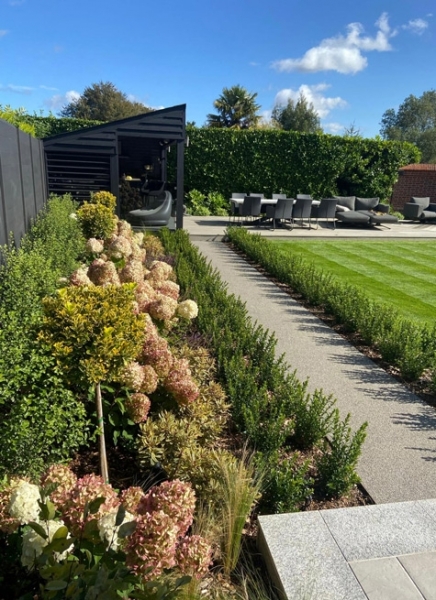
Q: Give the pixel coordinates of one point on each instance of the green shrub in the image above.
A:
(313, 419)
(196, 204)
(287, 484)
(337, 464)
(96, 220)
(105, 199)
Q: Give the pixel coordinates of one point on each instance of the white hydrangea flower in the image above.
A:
(33, 544)
(95, 246)
(187, 309)
(73, 216)
(24, 502)
(109, 531)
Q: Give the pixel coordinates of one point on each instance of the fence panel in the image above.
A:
(22, 181)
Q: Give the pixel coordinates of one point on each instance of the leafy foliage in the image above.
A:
(212, 204)
(297, 116)
(103, 102)
(414, 121)
(14, 116)
(228, 160)
(237, 109)
(97, 220)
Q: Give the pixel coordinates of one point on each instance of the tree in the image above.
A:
(352, 131)
(103, 102)
(415, 121)
(297, 116)
(17, 117)
(237, 109)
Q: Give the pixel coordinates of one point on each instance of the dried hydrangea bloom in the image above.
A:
(103, 273)
(139, 254)
(23, 504)
(149, 385)
(80, 277)
(59, 479)
(131, 497)
(138, 407)
(194, 556)
(108, 529)
(175, 498)
(8, 524)
(95, 246)
(162, 308)
(133, 271)
(86, 489)
(155, 352)
(151, 547)
(132, 376)
(144, 295)
(169, 288)
(187, 309)
(138, 238)
(120, 247)
(151, 331)
(33, 543)
(159, 271)
(125, 229)
(180, 383)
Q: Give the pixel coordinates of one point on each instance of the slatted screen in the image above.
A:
(77, 174)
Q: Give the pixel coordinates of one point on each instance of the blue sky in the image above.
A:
(352, 60)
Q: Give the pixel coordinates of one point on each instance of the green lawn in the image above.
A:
(400, 273)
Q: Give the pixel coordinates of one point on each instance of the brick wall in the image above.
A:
(414, 180)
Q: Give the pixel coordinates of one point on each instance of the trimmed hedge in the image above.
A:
(268, 161)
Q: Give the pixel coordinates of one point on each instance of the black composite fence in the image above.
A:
(23, 187)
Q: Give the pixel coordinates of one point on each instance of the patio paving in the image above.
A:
(382, 552)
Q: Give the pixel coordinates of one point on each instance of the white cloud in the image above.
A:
(50, 89)
(333, 128)
(417, 26)
(342, 53)
(313, 94)
(58, 101)
(16, 89)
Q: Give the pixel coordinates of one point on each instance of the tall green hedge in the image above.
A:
(267, 161)
(51, 125)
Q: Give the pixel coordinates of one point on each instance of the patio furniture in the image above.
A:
(363, 211)
(282, 211)
(234, 207)
(156, 217)
(278, 196)
(302, 210)
(419, 209)
(304, 197)
(250, 207)
(326, 209)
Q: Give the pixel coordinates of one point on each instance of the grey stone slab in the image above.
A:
(385, 579)
(422, 570)
(303, 559)
(378, 531)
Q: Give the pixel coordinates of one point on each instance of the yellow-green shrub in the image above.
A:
(96, 220)
(105, 199)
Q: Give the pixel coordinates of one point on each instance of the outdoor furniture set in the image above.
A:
(279, 209)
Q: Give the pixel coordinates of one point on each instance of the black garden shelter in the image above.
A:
(128, 152)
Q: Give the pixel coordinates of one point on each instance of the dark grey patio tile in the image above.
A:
(304, 560)
(385, 579)
(382, 530)
(422, 570)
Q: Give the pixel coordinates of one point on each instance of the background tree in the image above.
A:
(237, 109)
(17, 117)
(103, 102)
(414, 121)
(352, 131)
(297, 116)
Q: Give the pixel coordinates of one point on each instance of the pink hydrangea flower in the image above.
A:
(169, 288)
(151, 547)
(150, 383)
(74, 501)
(103, 273)
(194, 556)
(133, 271)
(162, 308)
(132, 376)
(138, 407)
(119, 247)
(159, 271)
(80, 277)
(176, 498)
(131, 497)
(95, 246)
(144, 295)
(180, 383)
(155, 352)
(60, 476)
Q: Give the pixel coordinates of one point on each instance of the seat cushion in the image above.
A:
(352, 216)
(346, 201)
(366, 203)
(424, 202)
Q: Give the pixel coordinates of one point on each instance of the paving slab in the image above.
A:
(397, 462)
(385, 579)
(422, 570)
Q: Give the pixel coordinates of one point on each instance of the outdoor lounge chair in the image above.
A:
(419, 209)
(155, 217)
(363, 211)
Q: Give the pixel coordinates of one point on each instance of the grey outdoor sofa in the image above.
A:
(363, 211)
(419, 209)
